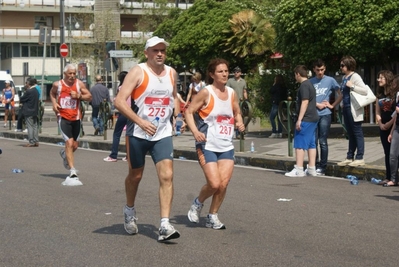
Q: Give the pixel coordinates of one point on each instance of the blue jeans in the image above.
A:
(322, 131)
(355, 133)
(97, 121)
(273, 115)
(119, 125)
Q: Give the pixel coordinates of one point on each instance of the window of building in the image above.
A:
(16, 52)
(35, 50)
(25, 50)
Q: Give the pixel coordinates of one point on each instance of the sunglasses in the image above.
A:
(342, 65)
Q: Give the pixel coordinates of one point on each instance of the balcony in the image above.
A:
(8, 5)
(46, 3)
(19, 35)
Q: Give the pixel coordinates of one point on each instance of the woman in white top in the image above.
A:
(352, 118)
(218, 115)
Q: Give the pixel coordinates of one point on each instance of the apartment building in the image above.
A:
(86, 26)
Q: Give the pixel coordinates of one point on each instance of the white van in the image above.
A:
(3, 77)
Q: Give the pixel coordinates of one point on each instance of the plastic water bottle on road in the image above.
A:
(375, 180)
(17, 171)
(354, 180)
(252, 147)
(156, 123)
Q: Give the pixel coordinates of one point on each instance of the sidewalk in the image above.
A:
(271, 153)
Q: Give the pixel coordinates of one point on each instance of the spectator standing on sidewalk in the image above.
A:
(393, 138)
(240, 87)
(218, 111)
(20, 120)
(384, 110)
(30, 111)
(352, 121)
(277, 93)
(152, 88)
(194, 87)
(99, 94)
(66, 96)
(119, 126)
(305, 126)
(325, 86)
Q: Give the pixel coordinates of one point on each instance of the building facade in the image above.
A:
(89, 28)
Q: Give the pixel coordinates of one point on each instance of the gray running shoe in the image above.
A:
(167, 232)
(214, 223)
(130, 223)
(194, 212)
(63, 156)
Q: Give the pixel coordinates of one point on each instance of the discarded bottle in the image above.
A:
(182, 158)
(17, 171)
(252, 147)
(61, 143)
(350, 177)
(154, 122)
(375, 180)
(354, 181)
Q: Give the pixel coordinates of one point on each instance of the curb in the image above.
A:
(278, 163)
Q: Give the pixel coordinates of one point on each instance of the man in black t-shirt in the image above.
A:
(305, 126)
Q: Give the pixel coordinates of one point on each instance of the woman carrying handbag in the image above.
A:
(352, 118)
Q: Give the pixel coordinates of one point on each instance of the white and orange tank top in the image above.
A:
(217, 121)
(154, 98)
(70, 107)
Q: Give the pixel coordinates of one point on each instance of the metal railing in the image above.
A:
(87, 4)
(19, 33)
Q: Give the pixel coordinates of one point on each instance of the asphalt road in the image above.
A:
(328, 222)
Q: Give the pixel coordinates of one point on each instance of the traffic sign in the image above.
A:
(121, 53)
(64, 50)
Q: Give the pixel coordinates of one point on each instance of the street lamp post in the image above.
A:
(71, 27)
(62, 33)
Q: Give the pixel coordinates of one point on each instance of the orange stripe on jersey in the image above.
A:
(172, 78)
(206, 111)
(137, 92)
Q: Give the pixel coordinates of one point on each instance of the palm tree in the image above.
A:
(251, 34)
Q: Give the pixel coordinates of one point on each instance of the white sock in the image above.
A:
(196, 201)
(164, 220)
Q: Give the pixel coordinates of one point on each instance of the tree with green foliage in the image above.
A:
(251, 34)
(201, 32)
(328, 29)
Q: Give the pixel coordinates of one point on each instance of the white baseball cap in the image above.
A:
(7, 81)
(153, 41)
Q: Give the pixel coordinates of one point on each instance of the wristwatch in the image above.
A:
(353, 87)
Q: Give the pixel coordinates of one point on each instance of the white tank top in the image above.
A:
(217, 121)
(154, 98)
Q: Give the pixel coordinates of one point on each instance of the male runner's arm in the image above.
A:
(53, 97)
